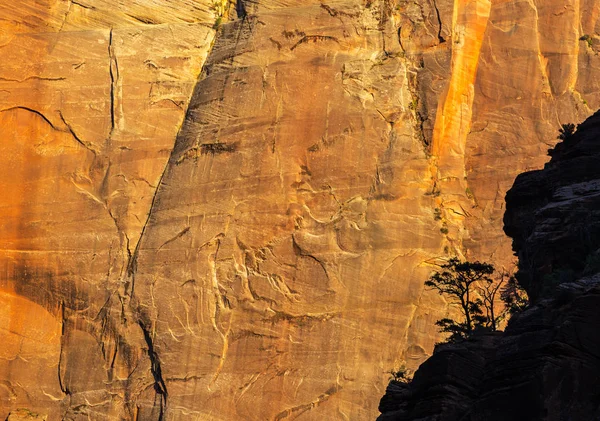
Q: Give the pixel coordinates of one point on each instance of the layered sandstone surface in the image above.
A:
(92, 95)
(267, 260)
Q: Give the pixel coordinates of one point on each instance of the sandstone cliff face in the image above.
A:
(267, 262)
(92, 94)
(545, 365)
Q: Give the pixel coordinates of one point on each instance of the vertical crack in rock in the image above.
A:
(123, 237)
(441, 39)
(417, 105)
(61, 381)
(240, 9)
(112, 67)
(159, 384)
(115, 95)
(415, 72)
(399, 35)
(129, 286)
(132, 263)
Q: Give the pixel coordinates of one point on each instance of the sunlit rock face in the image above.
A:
(92, 95)
(227, 211)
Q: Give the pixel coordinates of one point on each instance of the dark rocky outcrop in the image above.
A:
(553, 215)
(546, 365)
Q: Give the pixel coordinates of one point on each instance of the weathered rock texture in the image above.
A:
(546, 364)
(554, 218)
(268, 261)
(92, 95)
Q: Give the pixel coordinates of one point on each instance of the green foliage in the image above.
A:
(587, 39)
(458, 281)
(414, 104)
(401, 375)
(219, 8)
(455, 329)
(435, 191)
(592, 264)
(552, 280)
(566, 134)
(472, 287)
(469, 193)
(514, 297)
(559, 276)
(566, 131)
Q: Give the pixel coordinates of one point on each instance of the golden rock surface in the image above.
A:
(221, 211)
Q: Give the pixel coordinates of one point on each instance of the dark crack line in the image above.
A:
(85, 6)
(47, 79)
(132, 264)
(176, 237)
(69, 128)
(61, 383)
(400, 39)
(298, 410)
(31, 110)
(159, 384)
(240, 9)
(439, 19)
(314, 38)
(114, 75)
(77, 138)
(141, 19)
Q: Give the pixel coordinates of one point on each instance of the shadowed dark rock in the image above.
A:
(546, 365)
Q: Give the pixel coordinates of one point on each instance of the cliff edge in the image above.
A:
(546, 364)
(225, 210)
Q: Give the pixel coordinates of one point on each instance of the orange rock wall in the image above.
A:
(224, 211)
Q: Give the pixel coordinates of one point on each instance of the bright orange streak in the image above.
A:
(453, 120)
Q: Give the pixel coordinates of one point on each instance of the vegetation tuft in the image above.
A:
(471, 286)
(401, 375)
(217, 148)
(566, 131)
